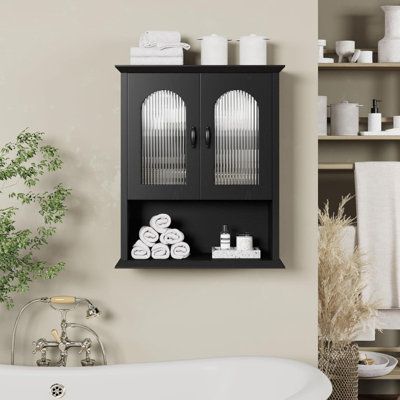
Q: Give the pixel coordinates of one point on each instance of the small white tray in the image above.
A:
(217, 252)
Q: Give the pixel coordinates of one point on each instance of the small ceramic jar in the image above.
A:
(345, 118)
(214, 50)
(253, 50)
(244, 242)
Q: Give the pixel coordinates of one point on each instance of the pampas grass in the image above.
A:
(342, 311)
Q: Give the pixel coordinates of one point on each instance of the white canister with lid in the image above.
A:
(345, 118)
(322, 115)
(214, 50)
(244, 241)
(253, 50)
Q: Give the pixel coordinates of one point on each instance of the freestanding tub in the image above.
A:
(239, 378)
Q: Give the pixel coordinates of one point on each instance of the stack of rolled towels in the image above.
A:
(159, 241)
(159, 48)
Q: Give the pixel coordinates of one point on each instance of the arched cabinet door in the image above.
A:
(162, 134)
(237, 136)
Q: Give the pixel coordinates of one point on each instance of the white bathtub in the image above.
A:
(240, 378)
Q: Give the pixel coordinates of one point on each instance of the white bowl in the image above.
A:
(381, 367)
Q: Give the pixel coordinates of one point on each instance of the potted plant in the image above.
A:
(23, 163)
(342, 311)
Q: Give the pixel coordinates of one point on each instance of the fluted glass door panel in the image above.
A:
(237, 141)
(164, 139)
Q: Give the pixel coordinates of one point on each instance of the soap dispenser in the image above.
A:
(375, 118)
(225, 238)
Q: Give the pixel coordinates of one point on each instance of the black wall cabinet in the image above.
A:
(201, 143)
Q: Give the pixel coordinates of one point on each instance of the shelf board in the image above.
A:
(381, 349)
(364, 120)
(336, 167)
(359, 138)
(201, 261)
(359, 67)
(330, 52)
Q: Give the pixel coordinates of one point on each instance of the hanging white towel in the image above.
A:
(156, 60)
(156, 52)
(148, 235)
(180, 250)
(378, 222)
(160, 251)
(160, 222)
(140, 251)
(172, 236)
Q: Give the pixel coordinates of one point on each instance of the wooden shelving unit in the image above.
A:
(348, 167)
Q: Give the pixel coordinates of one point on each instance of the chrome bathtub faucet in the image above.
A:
(63, 344)
(63, 304)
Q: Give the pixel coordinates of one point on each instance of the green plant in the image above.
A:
(23, 163)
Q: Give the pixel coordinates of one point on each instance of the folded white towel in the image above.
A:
(156, 52)
(140, 251)
(160, 222)
(159, 37)
(156, 60)
(160, 251)
(180, 250)
(162, 40)
(148, 235)
(172, 236)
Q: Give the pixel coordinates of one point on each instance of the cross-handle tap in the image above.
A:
(64, 344)
(41, 346)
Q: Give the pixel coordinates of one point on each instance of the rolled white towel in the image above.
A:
(172, 236)
(156, 52)
(180, 250)
(160, 222)
(148, 235)
(160, 251)
(140, 251)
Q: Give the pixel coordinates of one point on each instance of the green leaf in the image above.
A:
(28, 160)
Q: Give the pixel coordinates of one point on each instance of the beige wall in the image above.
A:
(57, 75)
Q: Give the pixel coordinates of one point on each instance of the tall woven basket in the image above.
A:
(339, 362)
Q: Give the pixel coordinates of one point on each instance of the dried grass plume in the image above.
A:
(341, 280)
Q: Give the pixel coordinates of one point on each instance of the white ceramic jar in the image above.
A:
(244, 242)
(214, 50)
(253, 50)
(322, 115)
(345, 118)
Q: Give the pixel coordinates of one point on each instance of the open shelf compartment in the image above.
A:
(201, 222)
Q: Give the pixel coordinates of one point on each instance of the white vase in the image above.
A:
(389, 46)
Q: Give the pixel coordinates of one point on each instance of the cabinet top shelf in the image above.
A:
(200, 68)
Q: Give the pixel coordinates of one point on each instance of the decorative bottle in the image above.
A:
(225, 238)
